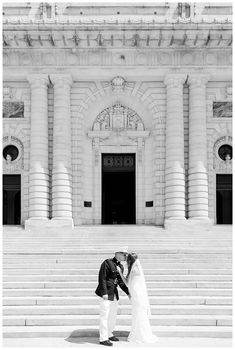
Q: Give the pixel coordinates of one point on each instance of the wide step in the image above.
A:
(120, 331)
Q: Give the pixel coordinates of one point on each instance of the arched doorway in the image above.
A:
(118, 134)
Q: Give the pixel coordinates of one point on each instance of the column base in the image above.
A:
(62, 222)
(42, 223)
(175, 224)
(196, 224)
(200, 223)
(36, 223)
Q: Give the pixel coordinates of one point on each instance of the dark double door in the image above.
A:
(224, 198)
(118, 189)
(11, 199)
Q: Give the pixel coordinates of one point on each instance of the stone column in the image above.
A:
(62, 167)
(174, 169)
(39, 174)
(197, 178)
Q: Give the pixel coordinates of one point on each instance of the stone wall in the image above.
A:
(16, 131)
(217, 128)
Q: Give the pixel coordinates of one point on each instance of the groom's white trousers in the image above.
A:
(108, 315)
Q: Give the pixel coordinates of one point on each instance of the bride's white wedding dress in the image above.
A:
(141, 331)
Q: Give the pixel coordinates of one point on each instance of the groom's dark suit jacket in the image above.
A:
(109, 279)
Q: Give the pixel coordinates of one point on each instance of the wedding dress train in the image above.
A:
(141, 331)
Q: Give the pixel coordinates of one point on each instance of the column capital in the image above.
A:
(198, 79)
(175, 79)
(61, 80)
(38, 80)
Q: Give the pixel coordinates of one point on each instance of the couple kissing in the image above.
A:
(111, 275)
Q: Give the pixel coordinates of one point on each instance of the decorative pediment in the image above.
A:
(118, 118)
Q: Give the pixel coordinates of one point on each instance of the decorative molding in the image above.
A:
(198, 79)
(61, 80)
(174, 80)
(229, 93)
(127, 20)
(7, 93)
(124, 56)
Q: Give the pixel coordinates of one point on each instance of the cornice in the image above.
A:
(90, 38)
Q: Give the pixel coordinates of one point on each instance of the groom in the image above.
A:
(109, 279)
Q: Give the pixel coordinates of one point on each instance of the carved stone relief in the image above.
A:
(224, 166)
(222, 109)
(118, 84)
(118, 118)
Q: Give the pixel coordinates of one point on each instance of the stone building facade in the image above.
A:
(117, 114)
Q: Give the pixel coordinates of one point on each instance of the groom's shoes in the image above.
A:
(106, 342)
(113, 338)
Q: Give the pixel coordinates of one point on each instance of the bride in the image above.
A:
(140, 329)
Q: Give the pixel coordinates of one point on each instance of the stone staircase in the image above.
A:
(49, 278)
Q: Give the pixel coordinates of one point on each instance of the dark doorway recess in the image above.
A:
(224, 198)
(11, 199)
(118, 189)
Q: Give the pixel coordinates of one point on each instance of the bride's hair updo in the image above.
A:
(131, 258)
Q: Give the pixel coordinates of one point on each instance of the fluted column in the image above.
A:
(62, 168)
(174, 169)
(39, 174)
(197, 178)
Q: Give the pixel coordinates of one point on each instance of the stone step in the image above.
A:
(91, 271)
(70, 278)
(122, 310)
(92, 320)
(99, 252)
(92, 300)
(42, 272)
(164, 260)
(150, 265)
(84, 291)
(98, 257)
(93, 284)
(120, 331)
(121, 234)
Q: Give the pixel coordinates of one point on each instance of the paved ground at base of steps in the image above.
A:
(93, 342)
